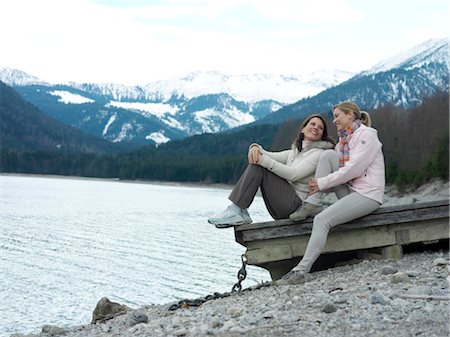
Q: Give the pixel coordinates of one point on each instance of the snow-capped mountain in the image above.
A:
(209, 102)
(201, 102)
(246, 88)
(250, 88)
(434, 50)
(14, 77)
(403, 80)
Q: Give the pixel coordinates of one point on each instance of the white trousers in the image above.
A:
(351, 205)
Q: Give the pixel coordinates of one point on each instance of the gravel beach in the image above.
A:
(378, 297)
(407, 297)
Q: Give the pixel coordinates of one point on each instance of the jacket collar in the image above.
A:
(321, 144)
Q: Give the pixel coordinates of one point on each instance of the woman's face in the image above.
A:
(313, 131)
(342, 120)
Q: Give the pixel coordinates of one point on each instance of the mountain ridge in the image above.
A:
(152, 115)
(26, 128)
(408, 81)
(170, 109)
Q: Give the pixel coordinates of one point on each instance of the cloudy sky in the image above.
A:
(138, 41)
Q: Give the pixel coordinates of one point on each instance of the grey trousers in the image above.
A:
(279, 196)
(350, 206)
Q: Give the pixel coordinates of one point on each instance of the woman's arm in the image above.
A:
(303, 169)
(361, 156)
(280, 157)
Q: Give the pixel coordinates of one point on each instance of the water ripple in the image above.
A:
(66, 243)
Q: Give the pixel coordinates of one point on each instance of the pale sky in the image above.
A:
(135, 42)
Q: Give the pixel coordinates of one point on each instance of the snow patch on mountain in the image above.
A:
(67, 97)
(274, 107)
(157, 137)
(108, 124)
(157, 109)
(232, 117)
(172, 122)
(124, 133)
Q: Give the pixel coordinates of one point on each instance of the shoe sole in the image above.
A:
(219, 225)
(288, 282)
(301, 219)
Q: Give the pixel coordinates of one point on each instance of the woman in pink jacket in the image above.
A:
(354, 171)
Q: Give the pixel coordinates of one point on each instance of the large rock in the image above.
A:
(106, 309)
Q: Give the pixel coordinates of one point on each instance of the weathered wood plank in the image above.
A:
(381, 217)
(260, 252)
(381, 210)
(279, 245)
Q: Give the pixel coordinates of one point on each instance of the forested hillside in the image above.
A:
(25, 128)
(415, 144)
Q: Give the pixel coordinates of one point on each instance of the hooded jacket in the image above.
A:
(364, 172)
(296, 167)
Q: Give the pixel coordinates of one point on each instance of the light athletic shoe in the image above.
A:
(304, 211)
(246, 216)
(230, 217)
(292, 278)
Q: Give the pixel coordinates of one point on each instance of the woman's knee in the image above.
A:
(255, 168)
(321, 223)
(328, 162)
(329, 155)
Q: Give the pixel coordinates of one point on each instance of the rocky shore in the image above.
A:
(407, 297)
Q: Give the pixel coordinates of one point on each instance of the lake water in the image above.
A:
(66, 243)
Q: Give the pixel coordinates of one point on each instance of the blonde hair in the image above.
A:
(349, 106)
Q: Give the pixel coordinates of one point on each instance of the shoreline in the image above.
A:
(382, 298)
(144, 182)
(436, 188)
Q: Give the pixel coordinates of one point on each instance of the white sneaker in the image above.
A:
(230, 217)
(292, 278)
(304, 211)
(246, 216)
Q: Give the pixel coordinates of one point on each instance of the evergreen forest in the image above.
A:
(415, 145)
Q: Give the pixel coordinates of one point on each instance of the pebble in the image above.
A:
(428, 308)
(378, 298)
(399, 277)
(386, 270)
(329, 307)
(419, 291)
(412, 273)
(367, 302)
(52, 330)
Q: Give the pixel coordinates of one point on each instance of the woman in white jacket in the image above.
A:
(354, 171)
(283, 177)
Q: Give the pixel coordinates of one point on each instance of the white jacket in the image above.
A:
(294, 166)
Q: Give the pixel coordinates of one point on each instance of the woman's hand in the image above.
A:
(313, 186)
(254, 154)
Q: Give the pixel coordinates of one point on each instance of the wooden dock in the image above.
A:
(279, 245)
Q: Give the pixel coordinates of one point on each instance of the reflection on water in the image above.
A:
(66, 243)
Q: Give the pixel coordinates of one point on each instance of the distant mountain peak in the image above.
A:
(428, 51)
(249, 87)
(15, 77)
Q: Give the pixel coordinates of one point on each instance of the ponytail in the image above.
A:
(365, 118)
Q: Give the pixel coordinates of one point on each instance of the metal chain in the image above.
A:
(237, 288)
(242, 274)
